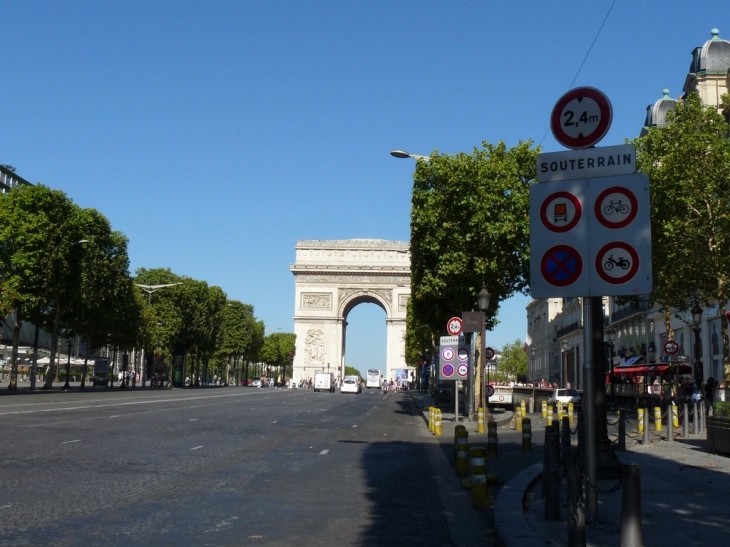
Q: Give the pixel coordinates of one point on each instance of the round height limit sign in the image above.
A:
(581, 117)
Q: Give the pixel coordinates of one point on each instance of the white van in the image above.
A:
(324, 381)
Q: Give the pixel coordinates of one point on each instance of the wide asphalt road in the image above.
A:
(225, 466)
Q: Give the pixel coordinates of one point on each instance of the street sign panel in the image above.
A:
(606, 248)
(606, 161)
(581, 117)
(674, 358)
(454, 358)
(671, 347)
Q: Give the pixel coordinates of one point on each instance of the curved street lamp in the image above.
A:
(483, 301)
(404, 154)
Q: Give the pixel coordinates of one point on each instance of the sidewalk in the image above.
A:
(684, 494)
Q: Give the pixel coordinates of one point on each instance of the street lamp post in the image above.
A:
(611, 337)
(404, 154)
(563, 368)
(149, 289)
(68, 366)
(483, 301)
(697, 319)
(533, 352)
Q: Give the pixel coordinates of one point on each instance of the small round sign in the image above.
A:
(671, 347)
(489, 353)
(454, 325)
(463, 370)
(581, 117)
(447, 354)
(490, 391)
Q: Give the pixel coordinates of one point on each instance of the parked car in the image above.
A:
(351, 384)
(256, 383)
(565, 396)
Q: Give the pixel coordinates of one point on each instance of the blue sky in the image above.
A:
(216, 134)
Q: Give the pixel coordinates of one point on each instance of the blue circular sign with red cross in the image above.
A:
(561, 265)
(448, 370)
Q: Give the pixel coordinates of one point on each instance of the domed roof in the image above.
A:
(712, 58)
(656, 114)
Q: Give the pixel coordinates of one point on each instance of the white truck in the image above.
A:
(324, 381)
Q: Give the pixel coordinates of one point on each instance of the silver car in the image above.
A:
(565, 396)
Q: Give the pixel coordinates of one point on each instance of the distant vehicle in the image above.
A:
(324, 381)
(442, 392)
(501, 398)
(351, 384)
(564, 396)
(374, 378)
(256, 383)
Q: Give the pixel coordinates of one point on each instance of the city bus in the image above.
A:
(374, 378)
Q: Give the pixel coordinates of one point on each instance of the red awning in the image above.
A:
(650, 370)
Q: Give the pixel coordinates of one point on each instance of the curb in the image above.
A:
(510, 522)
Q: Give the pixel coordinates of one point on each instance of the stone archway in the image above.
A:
(330, 279)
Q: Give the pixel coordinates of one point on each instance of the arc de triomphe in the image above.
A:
(330, 279)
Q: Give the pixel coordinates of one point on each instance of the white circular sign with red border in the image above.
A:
(463, 354)
(671, 347)
(617, 262)
(463, 370)
(561, 212)
(616, 207)
(581, 117)
(447, 354)
(454, 325)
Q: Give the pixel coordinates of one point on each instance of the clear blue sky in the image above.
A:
(216, 134)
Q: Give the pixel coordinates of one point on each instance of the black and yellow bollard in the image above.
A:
(675, 416)
(526, 435)
(480, 420)
(459, 427)
(478, 471)
(523, 407)
(550, 414)
(462, 453)
(492, 439)
(518, 418)
(640, 420)
(658, 418)
(437, 428)
(571, 413)
(544, 409)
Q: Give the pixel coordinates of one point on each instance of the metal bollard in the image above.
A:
(480, 420)
(631, 506)
(544, 409)
(551, 476)
(646, 427)
(670, 424)
(492, 439)
(658, 419)
(526, 435)
(462, 453)
(437, 428)
(701, 409)
(621, 431)
(576, 515)
(478, 470)
(695, 420)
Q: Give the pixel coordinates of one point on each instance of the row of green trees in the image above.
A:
(63, 268)
(470, 223)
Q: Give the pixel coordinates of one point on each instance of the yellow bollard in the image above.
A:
(675, 416)
(544, 409)
(430, 418)
(480, 420)
(478, 470)
(437, 423)
(526, 435)
(457, 429)
(523, 407)
(518, 418)
(492, 439)
(640, 418)
(657, 418)
(462, 453)
(550, 415)
(561, 412)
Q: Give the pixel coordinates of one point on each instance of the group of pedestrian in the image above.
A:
(127, 378)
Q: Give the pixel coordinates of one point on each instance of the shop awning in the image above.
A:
(649, 370)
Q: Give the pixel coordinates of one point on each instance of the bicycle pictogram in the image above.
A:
(622, 263)
(616, 207)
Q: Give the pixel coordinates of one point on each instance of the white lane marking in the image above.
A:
(193, 419)
(323, 452)
(273, 422)
(354, 425)
(125, 403)
(74, 441)
(115, 416)
(197, 447)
